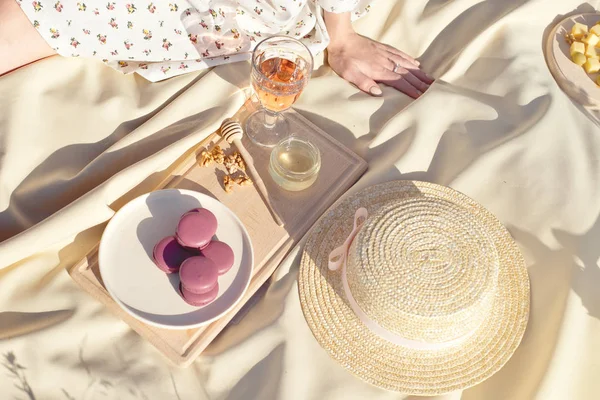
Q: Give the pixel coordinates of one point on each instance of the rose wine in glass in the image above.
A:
(281, 67)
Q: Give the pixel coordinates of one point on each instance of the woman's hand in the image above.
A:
(364, 62)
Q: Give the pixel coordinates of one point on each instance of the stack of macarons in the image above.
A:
(198, 258)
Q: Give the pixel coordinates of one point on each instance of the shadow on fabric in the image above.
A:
(262, 381)
(69, 172)
(574, 260)
(14, 324)
(441, 54)
(17, 372)
(463, 144)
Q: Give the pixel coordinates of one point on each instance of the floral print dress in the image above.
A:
(163, 38)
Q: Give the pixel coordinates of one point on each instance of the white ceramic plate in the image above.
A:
(143, 290)
(570, 77)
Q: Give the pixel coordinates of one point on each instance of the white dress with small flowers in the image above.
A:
(163, 38)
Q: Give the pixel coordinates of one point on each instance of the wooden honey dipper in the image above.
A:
(232, 132)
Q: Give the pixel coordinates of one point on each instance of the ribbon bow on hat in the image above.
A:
(338, 256)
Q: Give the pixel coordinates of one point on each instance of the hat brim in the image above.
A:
(393, 367)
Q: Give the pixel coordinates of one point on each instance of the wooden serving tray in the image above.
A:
(340, 169)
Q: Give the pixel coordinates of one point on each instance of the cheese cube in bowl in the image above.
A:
(591, 40)
(577, 47)
(592, 65)
(579, 30)
(592, 52)
(579, 58)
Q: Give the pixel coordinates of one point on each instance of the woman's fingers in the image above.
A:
(397, 58)
(406, 56)
(412, 79)
(404, 86)
(388, 64)
(414, 70)
(400, 53)
(366, 84)
(391, 70)
(404, 81)
(365, 63)
(421, 75)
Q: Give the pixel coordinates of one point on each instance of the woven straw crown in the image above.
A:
(424, 269)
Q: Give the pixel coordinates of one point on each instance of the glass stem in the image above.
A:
(270, 118)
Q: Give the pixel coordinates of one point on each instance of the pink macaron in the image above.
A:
(194, 210)
(199, 300)
(198, 275)
(168, 255)
(196, 228)
(221, 254)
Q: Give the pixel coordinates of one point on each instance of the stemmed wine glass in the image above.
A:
(281, 67)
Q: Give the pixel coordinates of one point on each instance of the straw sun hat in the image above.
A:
(414, 287)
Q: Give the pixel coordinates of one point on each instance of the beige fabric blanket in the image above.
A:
(75, 136)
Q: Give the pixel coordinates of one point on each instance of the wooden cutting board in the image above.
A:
(340, 169)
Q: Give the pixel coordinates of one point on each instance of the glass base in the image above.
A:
(263, 135)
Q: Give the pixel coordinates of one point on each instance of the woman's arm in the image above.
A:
(20, 43)
(365, 62)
